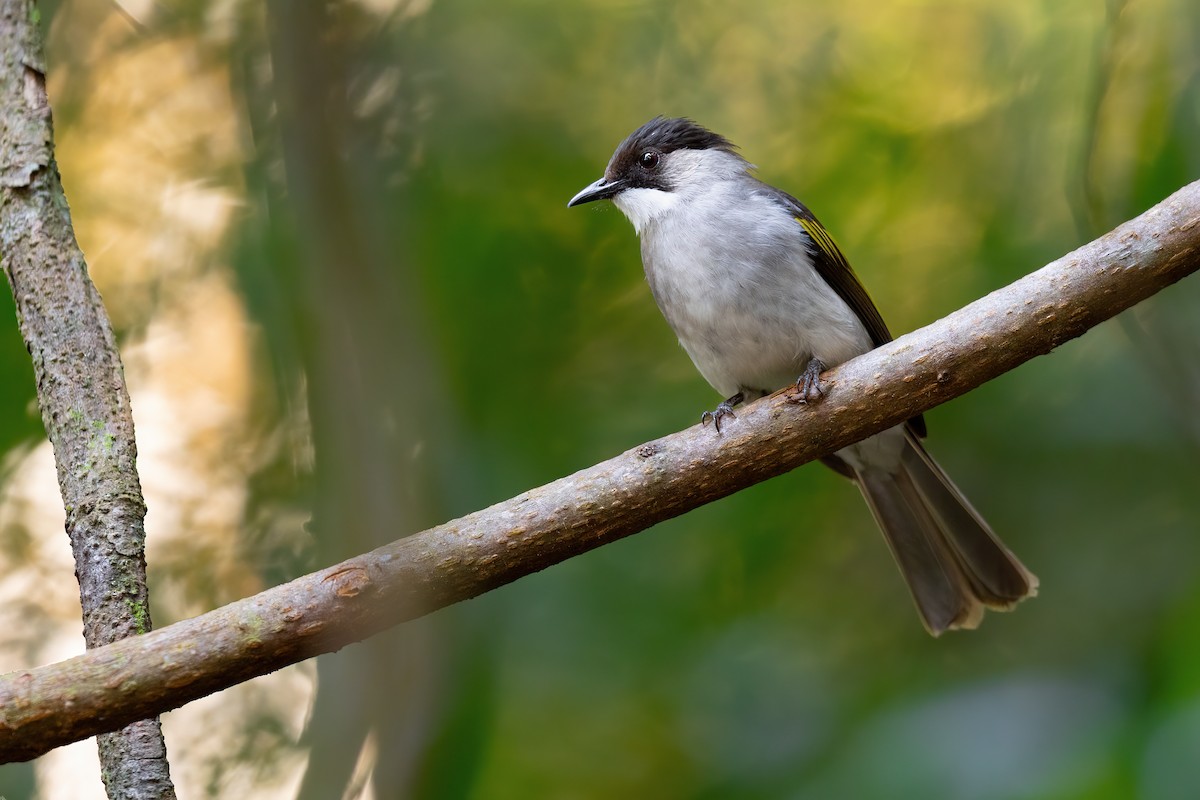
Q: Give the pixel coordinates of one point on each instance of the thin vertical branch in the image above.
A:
(80, 386)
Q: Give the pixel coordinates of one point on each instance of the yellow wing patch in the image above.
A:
(824, 241)
(841, 277)
(836, 271)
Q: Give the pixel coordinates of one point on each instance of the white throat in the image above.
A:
(691, 174)
(643, 206)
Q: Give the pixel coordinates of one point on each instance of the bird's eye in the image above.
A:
(649, 159)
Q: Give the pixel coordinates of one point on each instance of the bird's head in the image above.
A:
(660, 163)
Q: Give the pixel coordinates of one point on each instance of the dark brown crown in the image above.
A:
(678, 133)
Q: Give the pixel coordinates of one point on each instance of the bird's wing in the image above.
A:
(837, 272)
(835, 269)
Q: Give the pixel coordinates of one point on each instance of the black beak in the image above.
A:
(600, 190)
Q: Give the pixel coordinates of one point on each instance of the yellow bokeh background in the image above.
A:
(351, 304)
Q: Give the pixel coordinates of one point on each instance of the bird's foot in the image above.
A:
(808, 385)
(723, 410)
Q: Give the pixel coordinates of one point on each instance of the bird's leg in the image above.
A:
(724, 409)
(808, 385)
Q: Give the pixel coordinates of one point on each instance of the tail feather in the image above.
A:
(954, 565)
(944, 599)
(999, 578)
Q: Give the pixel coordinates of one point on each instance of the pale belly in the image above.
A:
(756, 327)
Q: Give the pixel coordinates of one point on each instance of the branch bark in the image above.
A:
(44, 708)
(80, 387)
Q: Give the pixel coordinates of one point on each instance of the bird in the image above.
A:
(761, 297)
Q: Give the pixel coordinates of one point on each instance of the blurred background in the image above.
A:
(352, 303)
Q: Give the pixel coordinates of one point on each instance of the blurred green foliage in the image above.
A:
(763, 646)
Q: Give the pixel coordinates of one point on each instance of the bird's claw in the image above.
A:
(723, 410)
(808, 385)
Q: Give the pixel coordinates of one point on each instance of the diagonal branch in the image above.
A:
(146, 675)
(80, 387)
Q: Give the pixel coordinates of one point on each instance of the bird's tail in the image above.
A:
(953, 564)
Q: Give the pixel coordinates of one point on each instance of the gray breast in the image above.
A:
(736, 283)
